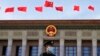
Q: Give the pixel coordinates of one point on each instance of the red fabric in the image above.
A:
(76, 8)
(60, 8)
(40, 9)
(48, 4)
(91, 7)
(23, 9)
(9, 9)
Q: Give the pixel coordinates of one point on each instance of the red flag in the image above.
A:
(76, 8)
(40, 9)
(9, 9)
(22, 9)
(48, 4)
(60, 8)
(91, 8)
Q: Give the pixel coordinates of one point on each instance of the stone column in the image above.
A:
(94, 43)
(40, 48)
(62, 43)
(79, 43)
(62, 47)
(40, 45)
(94, 46)
(24, 43)
(9, 47)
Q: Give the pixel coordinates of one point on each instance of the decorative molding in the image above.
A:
(71, 33)
(32, 33)
(17, 33)
(3, 33)
(86, 33)
(98, 33)
(41, 26)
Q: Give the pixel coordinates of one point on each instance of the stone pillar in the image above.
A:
(40, 48)
(79, 43)
(10, 40)
(94, 43)
(62, 47)
(24, 44)
(40, 45)
(62, 43)
(9, 47)
(94, 46)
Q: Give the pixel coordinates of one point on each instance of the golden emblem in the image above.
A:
(51, 30)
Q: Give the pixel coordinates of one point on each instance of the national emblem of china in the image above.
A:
(51, 30)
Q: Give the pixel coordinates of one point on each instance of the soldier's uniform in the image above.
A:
(48, 53)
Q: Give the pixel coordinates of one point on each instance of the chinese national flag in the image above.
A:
(22, 9)
(9, 9)
(76, 8)
(39, 9)
(60, 8)
(91, 7)
(48, 4)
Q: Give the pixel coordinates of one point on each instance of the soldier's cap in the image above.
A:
(50, 43)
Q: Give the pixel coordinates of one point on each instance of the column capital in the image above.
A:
(62, 34)
(79, 34)
(41, 34)
(24, 34)
(10, 34)
(94, 34)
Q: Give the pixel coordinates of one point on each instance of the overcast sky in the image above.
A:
(50, 13)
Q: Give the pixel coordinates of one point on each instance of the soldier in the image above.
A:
(49, 49)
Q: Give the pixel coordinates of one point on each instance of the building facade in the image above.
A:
(73, 37)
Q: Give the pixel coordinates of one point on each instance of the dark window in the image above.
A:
(86, 51)
(33, 51)
(71, 51)
(98, 51)
(18, 51)
(4, 50)
(56, 51)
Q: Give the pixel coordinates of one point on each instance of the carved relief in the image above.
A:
(32, 33)
(17, 33)
(71, 33)
(86, 33)
(3, 33)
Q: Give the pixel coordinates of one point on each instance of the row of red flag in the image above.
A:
(24, 9)
(40, 8)
(47, 4)
(76, 7)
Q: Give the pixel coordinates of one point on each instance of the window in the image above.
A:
(98, 51)
(86, 51)
(4, 50)
(71, 51)
(18, 51)
(56, 51)
(33, 51)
